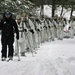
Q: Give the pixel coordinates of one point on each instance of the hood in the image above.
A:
(5, 16)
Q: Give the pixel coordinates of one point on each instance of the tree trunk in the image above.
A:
(62, 10)
(53, 8)
(71, 12)
(42, 10)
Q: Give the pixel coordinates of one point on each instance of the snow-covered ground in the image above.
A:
(52, 58)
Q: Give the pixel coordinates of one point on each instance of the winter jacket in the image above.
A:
(8, 27)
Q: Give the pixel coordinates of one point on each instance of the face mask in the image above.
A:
(18, 21)
(7, 16)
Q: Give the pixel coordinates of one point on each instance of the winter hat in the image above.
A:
(23, 14)
(7, 14)
(18, 17)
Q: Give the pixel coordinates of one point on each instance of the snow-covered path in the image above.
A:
(52, 58)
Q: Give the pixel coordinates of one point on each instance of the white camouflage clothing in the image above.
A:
(55, 28)
(34, 36)
(47, 31)
(60, 29)
(72, 28)
(21, 41)
(52, 30)
(42, 31)
(38, 30)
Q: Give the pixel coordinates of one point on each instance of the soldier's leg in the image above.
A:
(10, 46)
(53, 34)
(39, 39)
(22, 48)
(48, 34)
(34, 41)
(61, 34)
(71, 33)
(43, 36)
(4, 47)
(30, 42)
(58, 34)
(27, 42)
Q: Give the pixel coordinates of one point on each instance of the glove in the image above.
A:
(38, 29)
(32, 31)
(45, 27)
(69, 28)
(17, 37)
(49, 26)
(25, 30)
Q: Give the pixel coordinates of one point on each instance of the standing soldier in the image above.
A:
(51, 29)
(8, 26)
(21, 41)
(55, 22)
(72, 27)
(29, 38)
(24, 20)
(38, 30)
(42, 20)
(60, 28)
(34, 34)
(47, 29)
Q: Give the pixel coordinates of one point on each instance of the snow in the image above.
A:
(52, 58)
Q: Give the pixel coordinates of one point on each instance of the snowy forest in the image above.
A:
(31, 6)
(45, 44)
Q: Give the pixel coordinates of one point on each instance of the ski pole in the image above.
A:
(18, 52)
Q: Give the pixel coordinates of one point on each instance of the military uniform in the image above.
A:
(52, 30)
(21, 41)
(60, 27)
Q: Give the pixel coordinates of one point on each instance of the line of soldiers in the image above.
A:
(35, 31)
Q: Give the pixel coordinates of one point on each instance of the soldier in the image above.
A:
(38, 30)
(30, 27)
(24, 20)
(47, 29)
(60, 28)
(42, 20)
(55, 22)
(51, 29)
(21, 41)
(72, 27)
(34, 35)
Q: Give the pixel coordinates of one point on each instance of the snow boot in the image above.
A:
(3, 59)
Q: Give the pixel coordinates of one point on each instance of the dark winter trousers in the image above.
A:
(7, 40)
